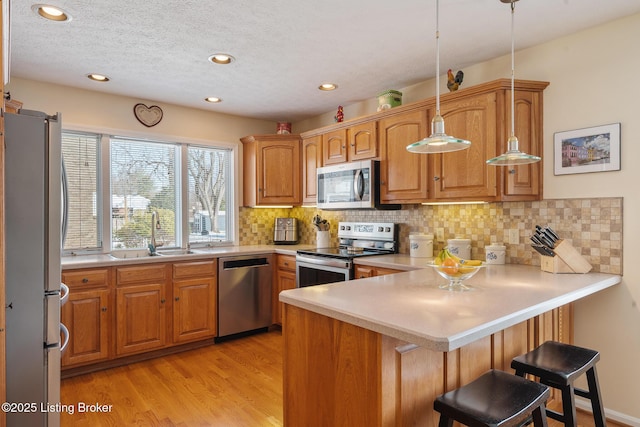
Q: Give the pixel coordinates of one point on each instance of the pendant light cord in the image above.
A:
(437, 58)
(513, 76)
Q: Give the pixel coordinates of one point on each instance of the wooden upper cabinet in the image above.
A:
(464, 174)
(479, 113)
(403, 175)
(311, 161)
(272, 170)
(358, 142)
(363, 141)
(524, 182)
(334, 147)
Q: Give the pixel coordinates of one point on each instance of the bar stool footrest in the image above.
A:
(582, 393)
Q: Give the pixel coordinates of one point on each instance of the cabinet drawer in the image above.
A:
(86, 278)
(141, 273)
(286, 262)
(196, 268)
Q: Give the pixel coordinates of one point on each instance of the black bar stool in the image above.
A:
(558, 365)
(495, 399)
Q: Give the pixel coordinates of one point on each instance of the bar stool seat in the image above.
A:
(495, 399)
(558, 365)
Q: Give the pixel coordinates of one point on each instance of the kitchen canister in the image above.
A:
(496, 254)
(460, 247)
(323, 239)
(421, 245)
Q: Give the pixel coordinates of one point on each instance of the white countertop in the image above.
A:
(410, 306)
(105, 260)
(395, 261)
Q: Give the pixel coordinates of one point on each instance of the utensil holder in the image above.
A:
(567, 260)
(323, 239)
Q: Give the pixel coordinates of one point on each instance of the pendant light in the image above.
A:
(438, 141)
(513, 156)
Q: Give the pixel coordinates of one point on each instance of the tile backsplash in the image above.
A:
(593, 226)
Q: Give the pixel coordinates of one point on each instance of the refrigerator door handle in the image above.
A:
(64, 331)
(64, 294)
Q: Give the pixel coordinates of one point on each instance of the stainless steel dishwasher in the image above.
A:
(244, 294)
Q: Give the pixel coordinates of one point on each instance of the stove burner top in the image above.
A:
(343, 252)
(357, 239)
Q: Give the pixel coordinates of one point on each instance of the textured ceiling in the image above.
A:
(157, 50)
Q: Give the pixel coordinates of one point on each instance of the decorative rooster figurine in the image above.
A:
(339, 117)
(454, 82)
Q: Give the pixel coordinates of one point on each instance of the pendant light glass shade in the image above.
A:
(513, 156)
(438, 141)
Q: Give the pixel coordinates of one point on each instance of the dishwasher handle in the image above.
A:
(245, 263)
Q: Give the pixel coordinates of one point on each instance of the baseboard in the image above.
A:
(618, 417)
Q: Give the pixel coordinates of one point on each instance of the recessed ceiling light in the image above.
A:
(328, 86)
(52, 13)
(98, 77)
(221, 58)
(213, 99)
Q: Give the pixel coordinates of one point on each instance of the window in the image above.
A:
(208, 188)
(81, 158)
(142, 178)
(143, 183)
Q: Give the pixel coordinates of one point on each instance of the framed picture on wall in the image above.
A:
(595, 149)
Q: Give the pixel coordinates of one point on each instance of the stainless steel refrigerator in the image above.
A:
(33, 211)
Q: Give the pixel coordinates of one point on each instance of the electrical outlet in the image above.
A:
(254, 228)
(514, 237)
(440, 234)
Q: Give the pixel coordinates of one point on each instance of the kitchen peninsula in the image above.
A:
(377, 351)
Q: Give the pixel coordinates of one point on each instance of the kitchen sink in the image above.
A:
(175, 252)
(130, 253)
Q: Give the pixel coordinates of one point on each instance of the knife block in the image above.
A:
(567, 260)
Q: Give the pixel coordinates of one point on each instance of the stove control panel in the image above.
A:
(367, 230)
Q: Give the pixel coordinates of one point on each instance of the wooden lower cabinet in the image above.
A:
(87, 315)
(121, 311)
(366, 378)
(141, 318)
(363, 271)
(194, 301)
(284, 278)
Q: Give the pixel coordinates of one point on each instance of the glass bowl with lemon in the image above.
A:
(456, 270)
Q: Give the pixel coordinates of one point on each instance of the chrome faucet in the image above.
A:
(155, 225)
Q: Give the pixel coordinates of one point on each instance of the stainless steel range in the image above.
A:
(336, 264)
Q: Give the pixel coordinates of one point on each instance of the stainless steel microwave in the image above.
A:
(354, 185)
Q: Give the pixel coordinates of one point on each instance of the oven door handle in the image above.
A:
(337, 263)
(358, 185)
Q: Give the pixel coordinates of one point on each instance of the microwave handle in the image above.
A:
(358, 185)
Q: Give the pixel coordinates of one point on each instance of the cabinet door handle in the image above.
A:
(162, 301)
(286, 264)
(177, 298)
(104, 309)
(512, 171)
(85, 280)
(436, 178)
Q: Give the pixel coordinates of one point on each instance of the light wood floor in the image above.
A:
(233, 384)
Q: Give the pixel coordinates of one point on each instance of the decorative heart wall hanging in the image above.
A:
(148, 116)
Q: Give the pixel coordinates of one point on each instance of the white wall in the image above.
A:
(593, 82)
(100, 111)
